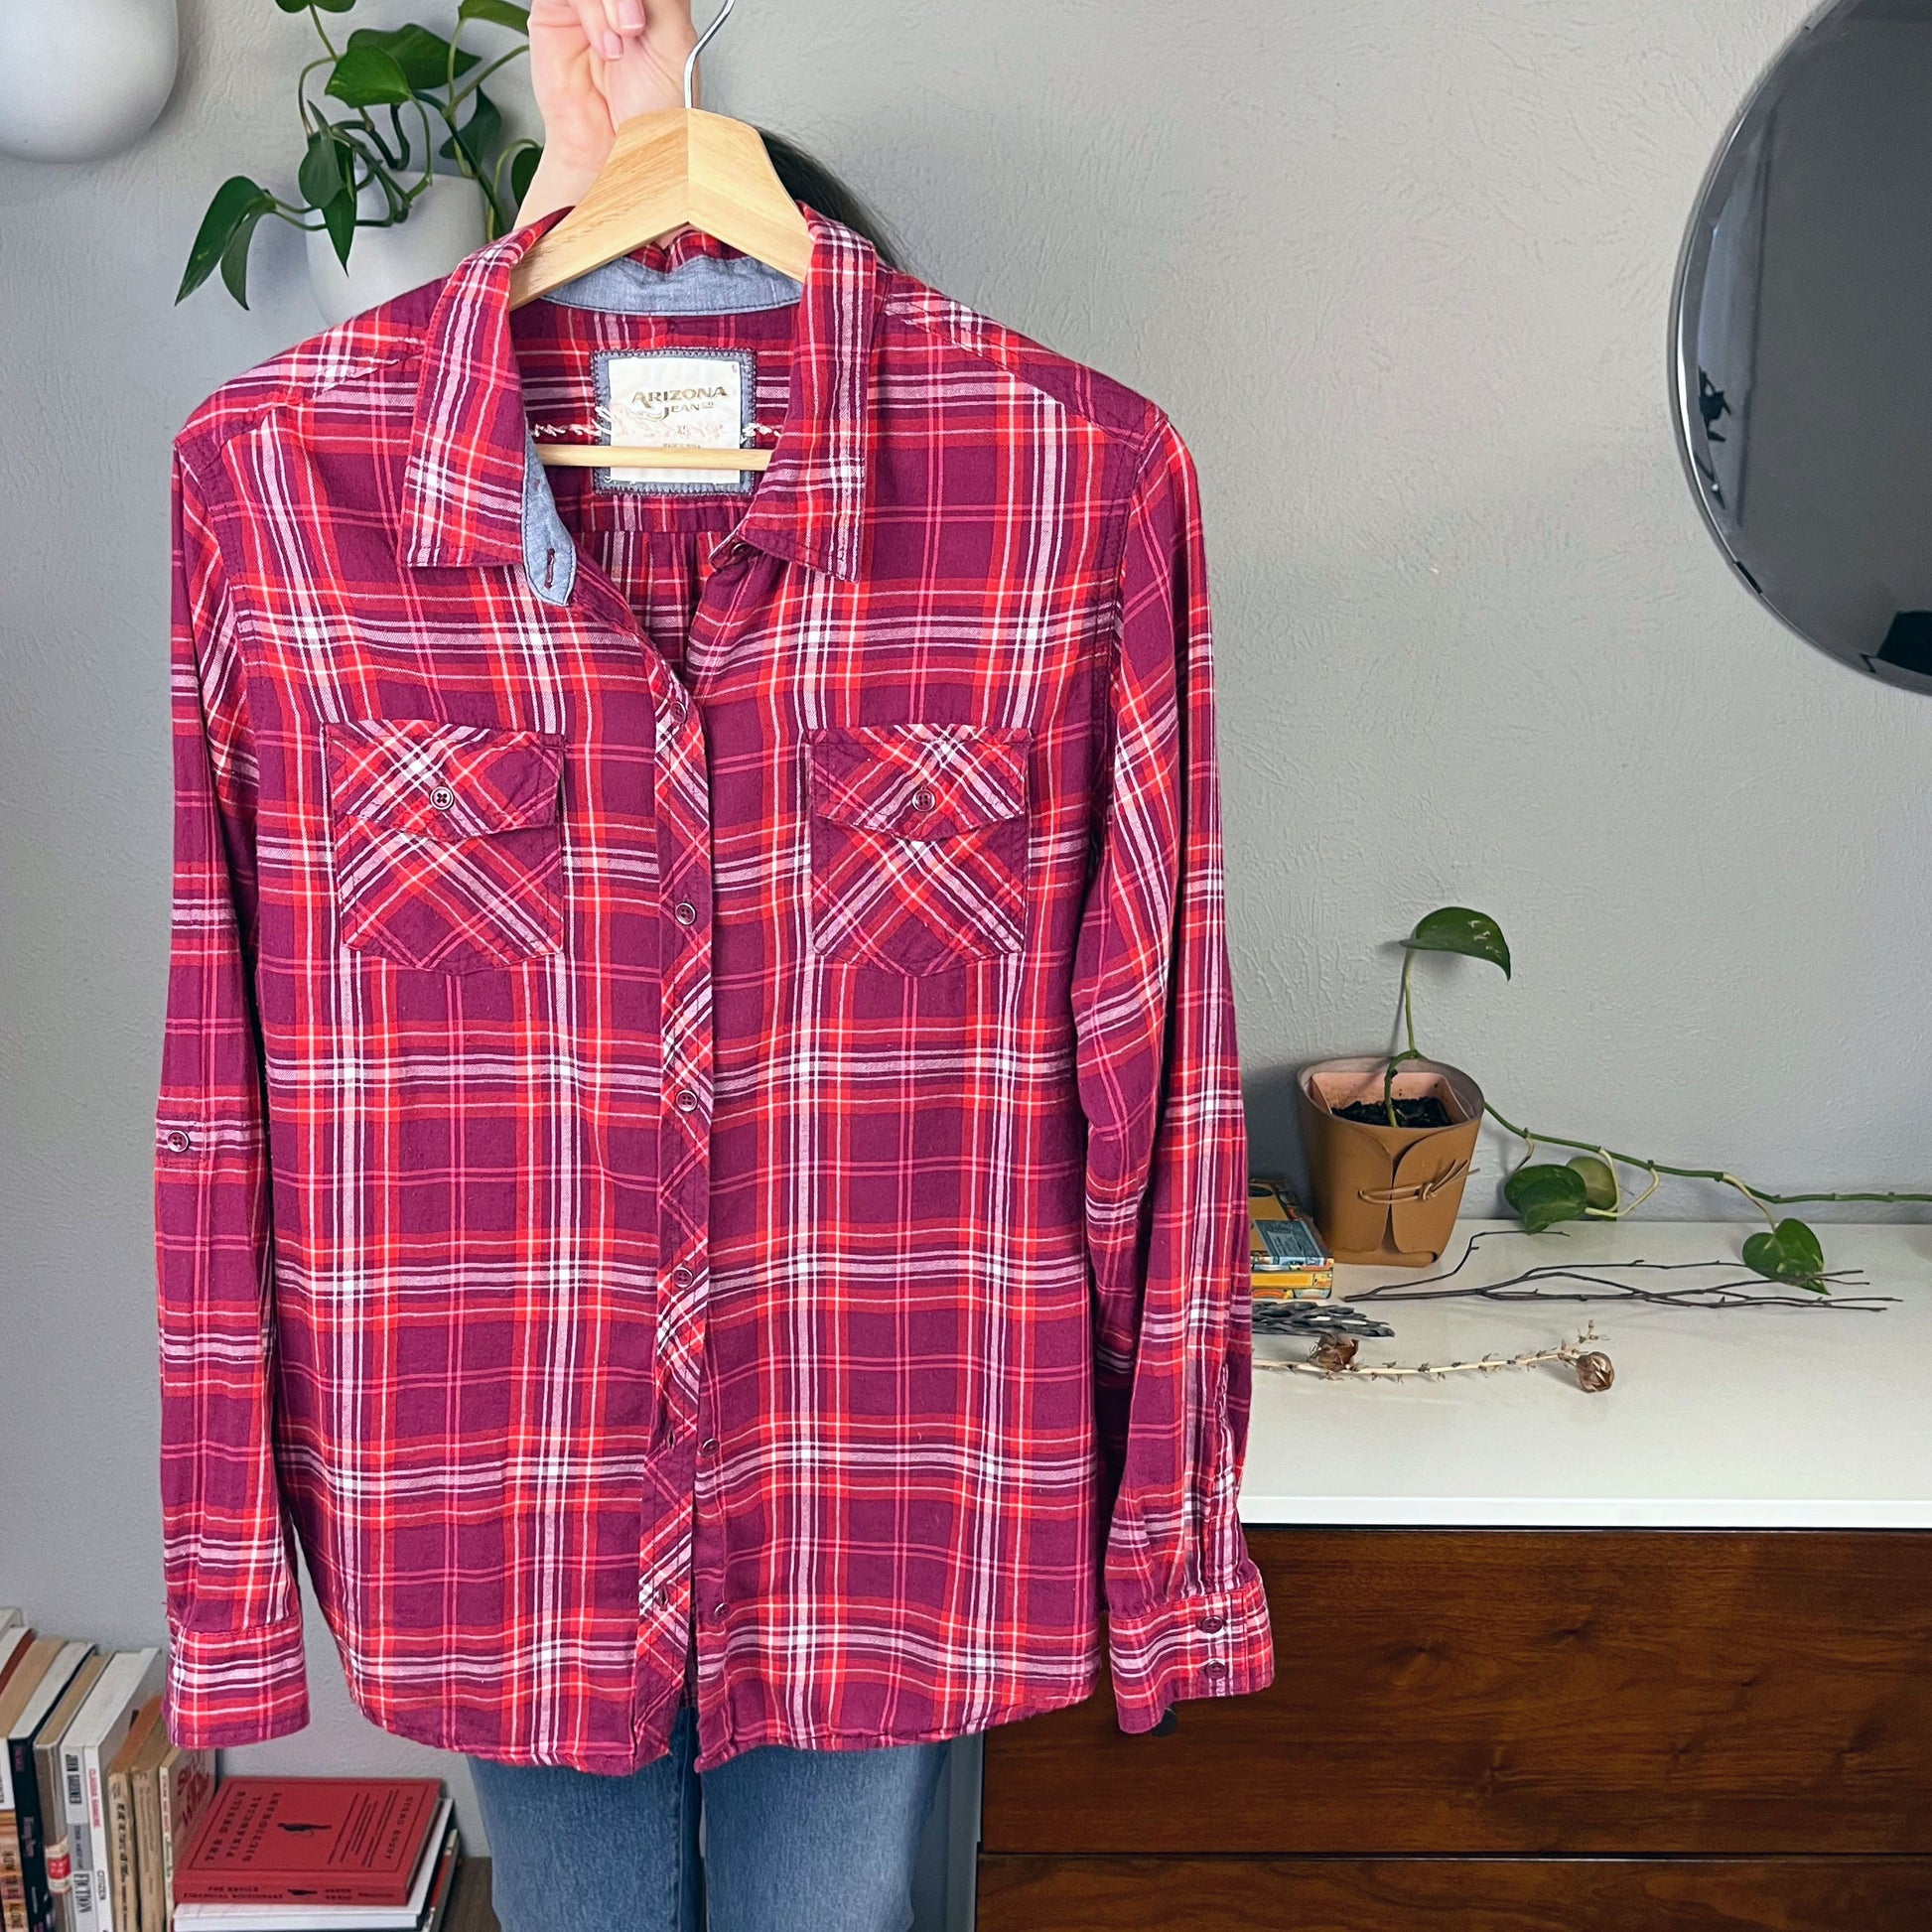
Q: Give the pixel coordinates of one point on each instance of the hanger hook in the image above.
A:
(691, 58)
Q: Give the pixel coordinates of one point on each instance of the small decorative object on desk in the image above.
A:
(1286, 1257)
(1315, 1318)
(1335, 1359)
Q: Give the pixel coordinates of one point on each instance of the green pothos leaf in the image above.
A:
(234, 256)
(477, 135)
(1599, 1178)
(1545, 1193)
(1458, 929)
(1789, 1253)
(338, 218)
(502, 12)
(367, 75)
(238, 201)
(524, 168)
(320, 177)
(424, 57)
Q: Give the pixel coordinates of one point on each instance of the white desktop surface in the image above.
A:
(1745, 1419)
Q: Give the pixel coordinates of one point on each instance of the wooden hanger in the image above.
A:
(679, 168)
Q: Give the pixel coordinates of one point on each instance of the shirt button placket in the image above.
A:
(688, 1012)
(684, 870)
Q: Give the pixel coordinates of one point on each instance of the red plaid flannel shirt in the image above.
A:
(700, 1086)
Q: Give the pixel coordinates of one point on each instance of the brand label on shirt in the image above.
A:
(694, 400)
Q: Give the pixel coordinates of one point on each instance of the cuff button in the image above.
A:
(179, 1142)
(1214, 1669)
(1211, 1623)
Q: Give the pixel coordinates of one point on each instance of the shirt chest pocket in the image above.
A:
(446, 840)
(918, 837)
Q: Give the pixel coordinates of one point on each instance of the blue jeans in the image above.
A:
(794, 1841)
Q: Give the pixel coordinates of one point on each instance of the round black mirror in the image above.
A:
(1803, 339)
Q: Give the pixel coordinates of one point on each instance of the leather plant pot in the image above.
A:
(1387, 1195)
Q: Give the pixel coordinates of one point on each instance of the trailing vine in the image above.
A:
(1589, 1185)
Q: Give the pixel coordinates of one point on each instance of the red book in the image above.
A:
(325, 1841)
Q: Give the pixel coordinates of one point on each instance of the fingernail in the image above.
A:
(613, 46)
(631, 15)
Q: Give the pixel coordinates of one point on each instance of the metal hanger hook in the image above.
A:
(703, 39)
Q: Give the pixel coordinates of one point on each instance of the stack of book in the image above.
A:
(320, 1855)
(93, 1798)
(1286, 1257)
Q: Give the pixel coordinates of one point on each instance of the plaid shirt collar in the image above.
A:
(474, 493)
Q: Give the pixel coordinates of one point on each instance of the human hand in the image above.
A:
(594, 64)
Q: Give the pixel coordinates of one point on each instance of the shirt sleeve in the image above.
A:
(236, 1673)
(1167, 1144)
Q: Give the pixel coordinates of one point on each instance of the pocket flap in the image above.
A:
(921, 781)
(443, 781)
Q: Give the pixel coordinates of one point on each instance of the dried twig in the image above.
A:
(1526, 1286)
(1335, 1358)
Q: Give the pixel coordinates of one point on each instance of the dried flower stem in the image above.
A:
(1337, 1366)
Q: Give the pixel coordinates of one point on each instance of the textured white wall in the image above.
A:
(1399, 272)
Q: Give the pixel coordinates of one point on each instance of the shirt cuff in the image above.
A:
(237, 1687)
(1196, 1645)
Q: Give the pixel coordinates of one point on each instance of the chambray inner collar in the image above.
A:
(475, 489)
(549, 551)
(698, 285)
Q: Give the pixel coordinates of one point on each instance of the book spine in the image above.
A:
(274, 1891)
(120, 1849)
(56, 1850)
(78, 1838)
(444, 1887)
(147, 1846)
(13, 1894)
(96, 1760)
(27, 1825)
(166, 1844)
(186, 1782)
(56, 1847)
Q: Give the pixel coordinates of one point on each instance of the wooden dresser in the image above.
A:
(1546, 1662)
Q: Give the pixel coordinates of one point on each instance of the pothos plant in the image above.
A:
(1589, 1185)
(394, 102)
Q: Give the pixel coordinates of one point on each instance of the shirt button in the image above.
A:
(1214, 1668)
(923, 800)
(716, 1613)
(1210, 1623)
(442, 798)
(687, 1101)
(709, 1444)
(683, 1277)
(179, 1142)
(685, 913)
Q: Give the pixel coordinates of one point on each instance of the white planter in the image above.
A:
(446, 222)
(83, 79)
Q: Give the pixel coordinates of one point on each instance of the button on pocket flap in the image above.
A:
(922, 781)
(443, 781)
